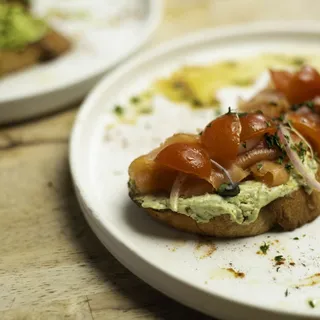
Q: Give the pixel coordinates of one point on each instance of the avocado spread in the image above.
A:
(243, 208)
(18, 28)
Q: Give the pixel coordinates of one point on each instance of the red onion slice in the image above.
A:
(285, 139)
(224, 170)
(175, 191)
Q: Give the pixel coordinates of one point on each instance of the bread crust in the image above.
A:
(50, 47)
(288, 213)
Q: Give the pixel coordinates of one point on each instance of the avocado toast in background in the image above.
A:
(26, 40)
(246, 172)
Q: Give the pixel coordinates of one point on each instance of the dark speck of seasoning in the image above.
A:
(264, 248)
(298, 61)
(50, 184)
(118, 110)
(303, 264)
(296, 238)
(311, 304)
(278, 269)
(286, 293)
(196, 103)
(279, 260)
(236, 273)
(134, 99)
(292, 264)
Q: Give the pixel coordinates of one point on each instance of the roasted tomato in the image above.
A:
(300, 86)
(187, 158)
(308, 124)
(255, 125)
(221, 138)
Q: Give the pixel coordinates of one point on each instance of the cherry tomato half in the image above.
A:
(255, 125)
(300, 86)
(187, 158)
(221, 138)
(308, 124)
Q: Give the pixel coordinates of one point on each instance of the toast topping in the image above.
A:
(18, 28)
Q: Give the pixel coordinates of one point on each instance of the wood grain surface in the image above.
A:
(51, 264)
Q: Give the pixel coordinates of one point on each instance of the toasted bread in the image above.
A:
(50, 46)
(288, 213)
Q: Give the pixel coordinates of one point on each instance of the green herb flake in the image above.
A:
(244, 144)
(295, 238)
(286, 293)
(118, 110)
(288, 167)
(242, 114)
(259, 166)
(311, 303)
(280, 159)
(196, 103)
(272, 141)
(135, 99)
(268, 124)
(264, 248)
(279, 259)
(298, 61)
(278, 269)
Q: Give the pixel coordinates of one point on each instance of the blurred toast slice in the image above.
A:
(52, 45)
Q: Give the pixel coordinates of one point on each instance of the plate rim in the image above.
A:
(254, 28)
(153, 21)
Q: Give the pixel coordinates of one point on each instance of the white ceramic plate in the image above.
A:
(104, 32)
(176, 263)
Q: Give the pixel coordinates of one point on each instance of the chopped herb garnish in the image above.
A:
(259, 166)
(279, 259)
(196, 103)
(288, 167)
(286, 293)
(295, 238)
(281, 118)
(280, 159)
(278, 269)
(244, 144)
(300, 149)
(134, 99)
(264, 248)
(311, 304)
(118, 110)
(272, 141)
(303, 264)
(259, 112)
(268, 124)
(309, 104)
(242, 114)
(298, 61)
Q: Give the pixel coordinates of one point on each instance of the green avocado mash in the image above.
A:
(18, 28)
(243, 208)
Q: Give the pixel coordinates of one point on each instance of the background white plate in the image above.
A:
(178, 264)
(104, 32)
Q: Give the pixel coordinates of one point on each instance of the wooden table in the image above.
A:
(51, 264)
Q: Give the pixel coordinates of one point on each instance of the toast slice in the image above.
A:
(52, 45)
(287, 213)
